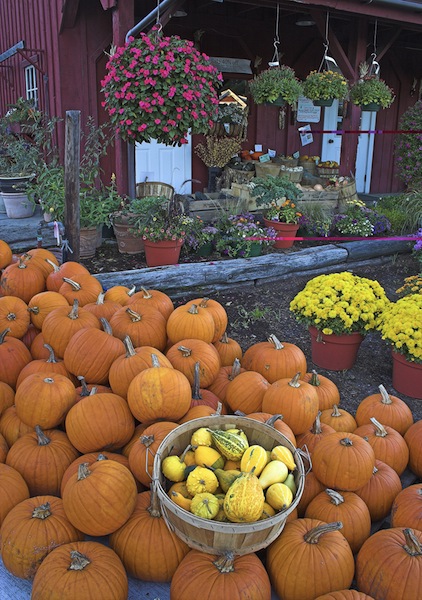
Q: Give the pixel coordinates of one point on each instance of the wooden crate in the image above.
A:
(226, 202)
(327, 200)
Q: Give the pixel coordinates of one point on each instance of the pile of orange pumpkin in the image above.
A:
(91, 382)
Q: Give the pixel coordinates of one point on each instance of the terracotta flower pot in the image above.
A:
(165, 252)
(407, 376)
(334, 352)
(284, 230)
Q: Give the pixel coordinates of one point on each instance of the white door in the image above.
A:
(158, 162)
(365, 152)
(331, 142)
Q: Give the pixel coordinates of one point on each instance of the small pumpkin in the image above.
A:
(413, 438)
(14, 356)
(228, 349)
(186, 353)
(275, 360)
(14, 316)
(190, 321)
(13, 489)
(84, 287)
(406, 508)
(387, 443)
(328, 392)
(246, 392)
(380, 491)
(386, 408)
(339, 419)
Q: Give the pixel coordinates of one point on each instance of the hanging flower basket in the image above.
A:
(371, 93)
(325, 86)
(159, 87)
(276, 86)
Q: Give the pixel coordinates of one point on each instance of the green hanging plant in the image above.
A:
(274, 83)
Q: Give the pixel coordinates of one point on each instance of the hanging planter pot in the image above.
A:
(328, 102)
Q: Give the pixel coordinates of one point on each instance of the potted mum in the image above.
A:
(163, 229)
(371, 93)
(277, 195)
(339, 309)
(276, 86)
(159, 87)
(243, 237)
(323, 87)
(401, 327)
(201, 238)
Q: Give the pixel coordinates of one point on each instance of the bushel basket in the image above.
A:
(215, 537)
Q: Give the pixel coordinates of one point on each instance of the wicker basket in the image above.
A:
(215, 537)
(154, 188)
(308, 165)
(347, 192)
(294, 174)
(327, 171)
(287, 162)
(267, 168)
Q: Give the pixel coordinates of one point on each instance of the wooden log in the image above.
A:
(72, 184)
(371, 248)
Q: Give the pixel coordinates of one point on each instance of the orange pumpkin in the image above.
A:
(14, 316)
(48, 366)
(14, 355)
(200, 396)
(275, 421)
(328, 392)
(387, 443)
(224, 376)
(389, 410)
(311, 437)
(222, 576)
(13, 489)
(89, 458)
(228, 349)
(144, 324)
(380, 491)
(339, 419)
(406, 508)
(413, 438)
(102, 308)
(274, 359)
(43, 259)
(186, 353)
(190, 321)
(4, 448)
(218, 313)
(308, 542)
(155, 298)
(21, 280)
(90, 563)
(296, 400)
(311, 489)
(31, 530)
(68, 269)
(42, 458)
(84, 287)
(142, 452)
(38, 348)
(42, 304)
(120, 293)
(147, 523)
(89, 508)
(246, 392)
(159, 393)
(5, 254)
(7, 397)
(11, 426)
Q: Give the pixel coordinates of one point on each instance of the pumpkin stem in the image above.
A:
(335, 497)
(185, 451)
(74, 312)
(273, 419)
(385, 396)
(204, 303)
(146, 440)
(196, 394)
(146, 295)
(186, 352)
(131, 291)
(11, 316)
(130, 350)
(225, 563)
(412, 546)
(336, 412)
(93, 391)
(193, 309)
(316, 427)
(276, 342)
(78, 561)
(74, 284)
(85, 390)
(102, 456)
(154, 360)
(224, 339)
(106, 326)
(35, 310)
(218, 410)
(315, 380)
(312, 536)
(100, 298)
(154, 508)
(235, 369)
(83, 471)
(380, 430)
(42, 511)
(294, 383)
(346, 442)
(3, 335)
(52, 357)
(136, 317)
(22, 264)
(52, 264)
(43, 440)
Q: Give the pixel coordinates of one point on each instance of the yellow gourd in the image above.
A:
(205, 505)
(267, 512)
(208, 457)
(255, 457)
(181, 500)
(180, 488)
(285, 455)
(274, 472)
(244, 499)
(201, 437)
(231, 445)
(201, 480)
(279, 496)
(173, 468)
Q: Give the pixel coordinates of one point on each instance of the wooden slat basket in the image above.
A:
(215, 537)
(267, 168)
(327, 171)
(294, 174)
(154, 188)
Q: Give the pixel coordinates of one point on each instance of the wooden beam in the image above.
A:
(339, 54)
(69, 14)
(72, 159)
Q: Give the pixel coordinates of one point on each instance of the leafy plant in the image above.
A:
(322, 85)
(159, 87)
(239, 232)
(403, 211)
(408, 147)
(359, 220)
(276, 82)
(201, 234)
(370, 89)
(160, 219)
(271, 190)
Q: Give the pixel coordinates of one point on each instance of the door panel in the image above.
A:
(331, 142)
(365, 152)
(158, 162)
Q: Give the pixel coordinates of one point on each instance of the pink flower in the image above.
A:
(157, 121)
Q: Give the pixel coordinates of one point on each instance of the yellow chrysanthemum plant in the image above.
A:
(401, 327)
(340, 303)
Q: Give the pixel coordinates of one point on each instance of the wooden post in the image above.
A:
(72, 184)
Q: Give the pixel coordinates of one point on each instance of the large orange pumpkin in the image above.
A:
(31, 530)
(81, 570)
(294, 560)
(274, 359)
(13, 489)
(21, 280)
(14, 316)
(145, 530)
(246, 392)
(387, 443)
(144, 324)
(42, 458)
(190, 321)
(220, 577)
(413, 437)
(100, 498)
(42, 304)
(100, 422)
(379, 492)
(89, 458)
(14, 356)
(389, 410)
(185, 354)
(389, 564)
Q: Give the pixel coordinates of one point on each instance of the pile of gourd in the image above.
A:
(92, 381)
(220, 476)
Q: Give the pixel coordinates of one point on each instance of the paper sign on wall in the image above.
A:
(307, 112)
(306, 136)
